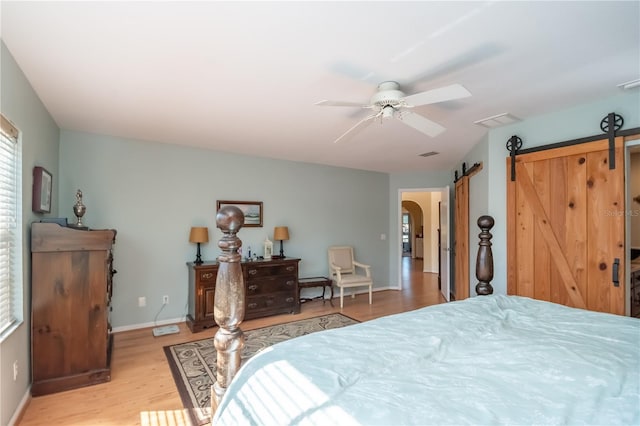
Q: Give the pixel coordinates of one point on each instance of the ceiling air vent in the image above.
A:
(497, 120)
(429, 154)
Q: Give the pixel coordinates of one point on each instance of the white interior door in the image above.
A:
(445, 244)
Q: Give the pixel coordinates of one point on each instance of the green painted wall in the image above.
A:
(152, 193)
(39, 147)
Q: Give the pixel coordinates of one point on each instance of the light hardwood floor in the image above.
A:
(142, 390)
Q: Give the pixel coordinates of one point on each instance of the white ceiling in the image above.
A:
(243, 77)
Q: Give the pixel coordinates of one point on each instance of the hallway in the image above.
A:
(418, 285)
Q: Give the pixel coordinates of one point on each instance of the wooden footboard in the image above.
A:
(230, 293)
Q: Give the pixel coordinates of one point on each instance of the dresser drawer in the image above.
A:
(266, 285)
(207, 275)
(257, 271)
(273, 301)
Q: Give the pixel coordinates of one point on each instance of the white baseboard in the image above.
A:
(20, 409)
(389, 287)
(360, 290)
(148, 325)
(336, 293)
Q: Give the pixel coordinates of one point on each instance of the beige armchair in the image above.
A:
(343, 272)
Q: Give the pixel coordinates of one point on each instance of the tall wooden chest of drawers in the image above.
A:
(271, 288)
(71, 286)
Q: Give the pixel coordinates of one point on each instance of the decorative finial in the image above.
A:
(79, 209)
(484, 261)
(230, 219)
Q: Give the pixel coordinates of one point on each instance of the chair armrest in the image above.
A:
(367, 268)
(337, 270)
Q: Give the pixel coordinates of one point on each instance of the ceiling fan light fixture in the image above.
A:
(390, 102)
(497, 120)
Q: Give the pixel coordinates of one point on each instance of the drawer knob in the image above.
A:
(207, 275)
(290, 283)
(253, 287)
(290, 268)
(253, 271)
(252, 305)
(289, 299)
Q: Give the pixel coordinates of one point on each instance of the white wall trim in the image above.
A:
(22, 406)
(148, 324)
(399, 241)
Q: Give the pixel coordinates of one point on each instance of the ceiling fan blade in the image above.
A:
(421, 123)
(447, 93)
(341, 103)
(360, 125)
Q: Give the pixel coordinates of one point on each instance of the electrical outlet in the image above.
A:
(15, 370)
(165, 300)
(142, 302)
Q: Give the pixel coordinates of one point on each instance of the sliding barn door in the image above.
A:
(565, 230)
(461, 244)
(445, 243)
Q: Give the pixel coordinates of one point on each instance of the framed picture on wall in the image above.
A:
(252, 211)
(42, 186)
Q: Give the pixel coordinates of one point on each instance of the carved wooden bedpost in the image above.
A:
(229, 303)
(484, 261)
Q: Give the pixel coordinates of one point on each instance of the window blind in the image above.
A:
(8, 221)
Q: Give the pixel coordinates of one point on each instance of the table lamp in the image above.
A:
(281, 233)
(199, 234)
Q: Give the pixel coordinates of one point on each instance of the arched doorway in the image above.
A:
(412, 230)
(426, 235)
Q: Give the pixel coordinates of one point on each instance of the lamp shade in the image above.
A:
(281, 233)
(199, 234)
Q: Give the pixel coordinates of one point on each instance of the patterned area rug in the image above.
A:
(193, 364)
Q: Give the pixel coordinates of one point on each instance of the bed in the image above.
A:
(493, 359)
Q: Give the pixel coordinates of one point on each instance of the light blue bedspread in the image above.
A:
(486, 360)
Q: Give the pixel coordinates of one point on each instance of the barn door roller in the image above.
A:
(610, 124)
(470, 172)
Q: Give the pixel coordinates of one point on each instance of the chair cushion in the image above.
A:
(354, 279)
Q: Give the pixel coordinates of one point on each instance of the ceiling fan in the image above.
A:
(389, 102)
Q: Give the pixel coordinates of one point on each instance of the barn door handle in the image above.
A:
(616, 274)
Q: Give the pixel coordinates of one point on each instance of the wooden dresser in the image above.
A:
(271, 288)
(71, 286)
(202, 288)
